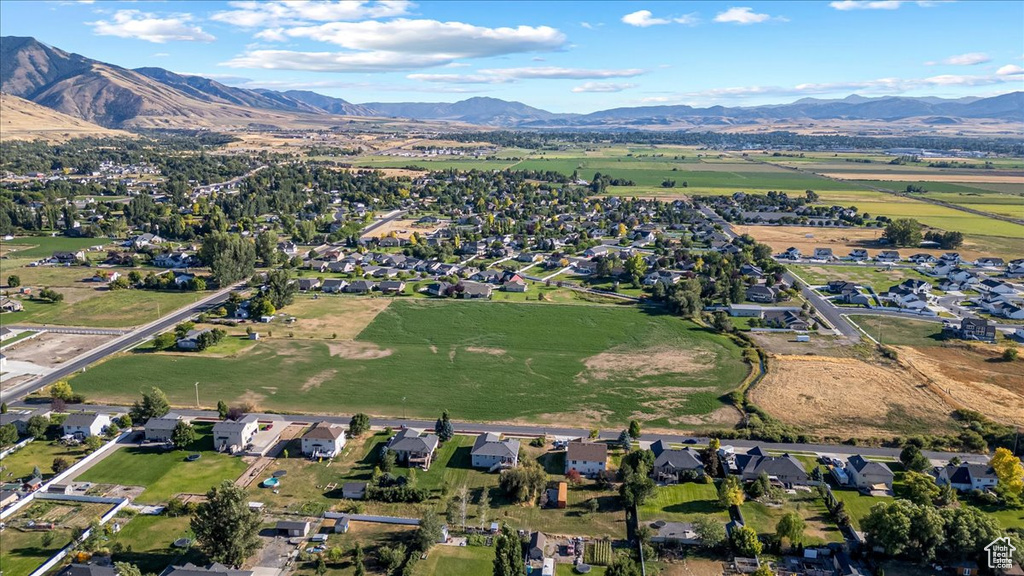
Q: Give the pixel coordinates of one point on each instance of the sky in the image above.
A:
(559, 56)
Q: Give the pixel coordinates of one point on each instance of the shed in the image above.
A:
(353, 490)
(563, 495)
(293, 528)
(537, 544)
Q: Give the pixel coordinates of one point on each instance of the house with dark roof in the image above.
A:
(868, 475)
(492, 453)
(214, 569)
(324, 440)
(161, 429)
(353, 490)
(760, 293)
(587, 458)
(473, 290)
(538, 542)
(673, 465)
(413, 447)
(971, 329)
(966, 476)
(440, 289)
(88, 570)
(360, 287)
(308, 284)
(292, 527)
(784, 469)
(333, 285)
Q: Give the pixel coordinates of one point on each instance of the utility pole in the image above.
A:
(197, 395)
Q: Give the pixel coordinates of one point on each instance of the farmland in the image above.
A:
(482, 360)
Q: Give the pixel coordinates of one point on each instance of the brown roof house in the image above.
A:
(587, 458)
(325, 440)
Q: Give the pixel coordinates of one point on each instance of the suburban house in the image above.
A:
(292, 527)
(234, 435)
(9, 305)
(62, 257)
(840, 286)
(492, 453)
(191, 339)
(587, 458)
(672, 465)
(308, 284)
(191, 569)
(360, 287)
(675, 533)
(966, 477)
(784, 469)
(324, 440)
(888, 256)
(88, 570)
(333, 285)
(972, 329)
(161, 429)
(85, 424)
(353, 490)
(515, 284)
(392, 286)
(906, 298)
(868, 475)
(475, 290)
(791, 253)
(760, 293)
(538, 541)
(858, 254)
(413, 447)
(823, 254)
(785, 319)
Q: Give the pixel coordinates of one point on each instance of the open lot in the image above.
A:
(683, 503)
(820, 528)
(38, 453)
(165, 473)
(485, 361)
(147, 542)
(23, 549)
(878, 278)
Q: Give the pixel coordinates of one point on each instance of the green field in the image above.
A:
(467, 560)
(38, 453)
(485, 361)
(900, 331)
(880, 279)
(22, 550)
(37, 247)
(820, 528)
(147, 542)
(682, 503)
(104, 309)
(165, 473)
(857, 505)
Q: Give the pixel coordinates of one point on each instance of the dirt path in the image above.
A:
(259, 465)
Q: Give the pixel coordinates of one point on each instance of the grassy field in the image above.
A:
(165, 473)
(23, 550)
(880, 279)
(484, 361)
(857, 505)
(39, 453)
(104, 309)
(467, 560)
(900, 331)
(37, 247)
(682, 503)
(147, 541)
(820, 529)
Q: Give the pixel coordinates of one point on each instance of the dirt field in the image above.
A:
(344, 316)
(50, 350)
(930, 177)
(849, 397)
(840, 240)
(403, 229)
(632, 365)
(973, 376)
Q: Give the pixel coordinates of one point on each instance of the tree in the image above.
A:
(165, 341)
(636, 488)
(1009, 470)
(791, 527)
(635, 266)
(967, 531)
(623, 565)
(745, 542)
(93, 443)
(226, 529)
(222, 409)
(8, 435)
(634, 429)
(912, 458)
(61, 390)
(154, 404)
(359, 424)
(730, 492)
(888, 525)
(903, 232)
(592, 505)
(429, 532)
(266, 248)
(508, 553)
(462, 497)
(483, 507)
(523, 483)
(443, 427)
(126, 569)
(60, 464)
(391, 557)
(183, 435)
(920, 488)
(357, 559)
(229, 256)
(13, 281)
(51, 295)
(280, 289)
(3, 407)
(37, 426)
(1009, 354)
(573, 477)
(710, 530)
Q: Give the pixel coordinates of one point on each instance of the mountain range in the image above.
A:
(116, 97)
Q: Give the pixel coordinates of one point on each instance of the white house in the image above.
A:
(234, 435)
(325, 440)
(966, 477)
(85, 424)
(587, 458)
(491, 452)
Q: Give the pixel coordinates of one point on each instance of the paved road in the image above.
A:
(124, 342)
(837, 450)
(71, 330)
(393, 215)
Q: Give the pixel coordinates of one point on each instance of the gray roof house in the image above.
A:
(966, 477)
(413, 447)
(161, 429)
(215, 569)
(538, 542)
(492, 453)
(866, 475)
(85, 424)
(785, 469)
(670, 464)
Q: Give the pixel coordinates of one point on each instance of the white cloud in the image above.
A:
(644, 19)
(161, 55)
(398, 45)
(591, 26)
(602, 87)
(505, 75)
(150, 27)
(1010, 70)
(847, 5)
(254, 14)
(969, 59)
(745, 15)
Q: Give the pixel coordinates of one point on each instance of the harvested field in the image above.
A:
(841, 240)
(930, 177)
(50, 349)
(974, 376)
(358, 350)
(621, 364)
(339, 317)
(849, 397)
(404, 229)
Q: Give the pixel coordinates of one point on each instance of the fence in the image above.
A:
(16, 447)
(59, 556)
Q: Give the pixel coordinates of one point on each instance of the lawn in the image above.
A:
(39, 453)
(900, 331)
(462, 560)
(147, 541)
(682, 503)
(23, 550)
(820, 529)
(857, 505)
(37, 247)
(879, 279)
(165, 473)
(104, 309)
(484, 361)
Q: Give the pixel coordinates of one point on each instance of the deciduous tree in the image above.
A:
(226, 529)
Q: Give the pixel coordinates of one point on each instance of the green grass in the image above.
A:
(39, 453)
(857, 505)
(165, 473)
(149, 540)
(37, 247)
(820, 528)
(900, 331)
(485, 361)
(880, 279)
(21, 552)
(682, 503)
(462, 560)
(104, 309)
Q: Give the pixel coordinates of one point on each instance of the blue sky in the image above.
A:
(561, 56)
